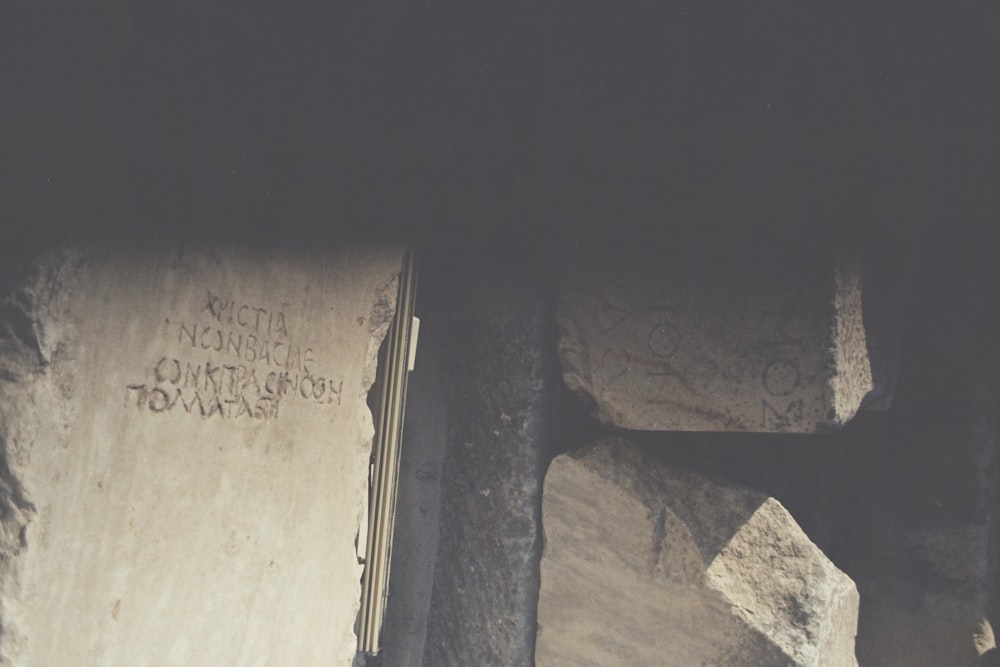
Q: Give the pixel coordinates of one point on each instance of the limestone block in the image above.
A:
(645, 565)
(185, 438)
(718, 344)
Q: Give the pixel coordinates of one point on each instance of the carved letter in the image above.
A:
(190, 333)
(191, 377)
(270, 382)
(167, 370)
(211, 374)
(161, 405)
(141, 389)
(238, 347)
(204, 332)
(781, 420)
(250, 352)
(275, 355)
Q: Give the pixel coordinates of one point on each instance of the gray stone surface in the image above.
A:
(719, 343)
(497, 373)
(184, 443)
(645, 565)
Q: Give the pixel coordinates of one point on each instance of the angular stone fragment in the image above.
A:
(719, 344)
(644, 565)
(185, 441)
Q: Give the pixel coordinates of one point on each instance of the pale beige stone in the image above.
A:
(645, 565)
(699, 347)
(186, 443)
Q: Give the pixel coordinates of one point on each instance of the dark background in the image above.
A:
(469, 122)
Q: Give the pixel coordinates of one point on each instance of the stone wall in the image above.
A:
(184, 439)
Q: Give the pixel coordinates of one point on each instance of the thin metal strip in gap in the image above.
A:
(393, 375)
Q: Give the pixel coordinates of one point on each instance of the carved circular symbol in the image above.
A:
(781, 377)
(167, 370)
(664, 340)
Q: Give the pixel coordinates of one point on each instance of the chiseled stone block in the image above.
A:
(645, 565)
(685, 344)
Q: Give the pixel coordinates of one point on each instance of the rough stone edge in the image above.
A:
(379, 321)
(380, 318)
(28, 345)
(804, 649)
(27, 348)
(850, 380)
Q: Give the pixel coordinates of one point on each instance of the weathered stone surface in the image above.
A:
(185, 442)
(688, 344)
(498, 371)
(644, 565)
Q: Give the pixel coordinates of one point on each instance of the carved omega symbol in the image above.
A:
(781, 377)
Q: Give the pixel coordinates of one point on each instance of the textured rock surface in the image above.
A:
(729, 344)
(185, 443)
(484, 599)
(648, 566)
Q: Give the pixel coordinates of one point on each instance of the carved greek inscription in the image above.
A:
(781, 418)
(236, 361)
(247, 347)
(781, 376)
